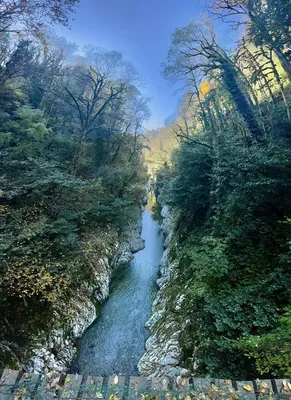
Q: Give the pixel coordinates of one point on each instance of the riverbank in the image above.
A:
(56, 350)
(163, 351)
(114, 343)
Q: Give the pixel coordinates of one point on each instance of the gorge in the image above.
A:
(114, 343)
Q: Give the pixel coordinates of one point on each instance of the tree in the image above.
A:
(72, 178)
(195, 50)
(19, 15)
(268, 23)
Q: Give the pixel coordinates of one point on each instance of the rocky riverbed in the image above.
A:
(56, 350)
(163, 352)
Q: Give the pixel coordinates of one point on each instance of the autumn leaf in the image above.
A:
(205, 88)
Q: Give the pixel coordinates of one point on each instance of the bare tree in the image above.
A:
(19, 15)
(195, 49)
(268, 23)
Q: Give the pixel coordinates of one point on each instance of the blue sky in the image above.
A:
(141, 30)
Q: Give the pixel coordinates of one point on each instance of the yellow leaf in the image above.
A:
(67, 380)
(248, 388)
(205, 88)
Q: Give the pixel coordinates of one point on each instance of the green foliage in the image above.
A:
(190, 192)
(272, 351)
(229, 185)
(68, 191)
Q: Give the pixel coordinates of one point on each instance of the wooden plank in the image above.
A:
(219, 386)
(223, 383)
(201, 385)
(27, 386)
(283, 386)
(50, 383)
(93, 387)
(116, 387)
(72, 386)
(160, 387)
(182, 386)
(7, 383)
(263, 387)
(137, 386)
(245, 390)
(160, 384)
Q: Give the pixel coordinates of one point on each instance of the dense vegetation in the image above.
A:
(230, 187)
(70, 166)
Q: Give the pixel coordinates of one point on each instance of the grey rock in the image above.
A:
(163, 352)
(55, 350)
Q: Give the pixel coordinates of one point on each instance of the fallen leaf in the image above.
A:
(115, 380)
(67, 380)
(248, 388)
(54, 382)
(234, 396)
(99, 395)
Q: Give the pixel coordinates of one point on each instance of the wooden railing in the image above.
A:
(16, 385)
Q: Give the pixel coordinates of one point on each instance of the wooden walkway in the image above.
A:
(16, 385)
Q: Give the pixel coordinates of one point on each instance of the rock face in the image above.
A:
(57, 350)
(163, 353)
(132, 245)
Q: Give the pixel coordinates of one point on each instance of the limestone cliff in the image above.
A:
(163, 353)
(105, 251)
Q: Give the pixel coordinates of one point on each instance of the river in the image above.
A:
(115, 341)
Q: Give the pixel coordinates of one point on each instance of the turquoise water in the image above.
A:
(115, 341)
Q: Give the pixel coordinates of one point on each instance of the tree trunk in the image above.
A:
(242, 101)
(284, 62)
